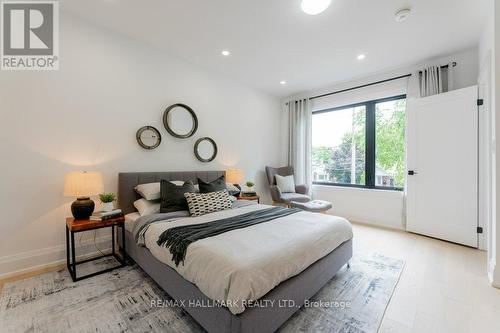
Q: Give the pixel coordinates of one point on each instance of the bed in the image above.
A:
(281, 300)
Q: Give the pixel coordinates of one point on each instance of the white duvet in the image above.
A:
(247, 263)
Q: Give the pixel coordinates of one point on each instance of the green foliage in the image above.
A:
(107, 197)
(249, 184)
(390, 145)
(337, 160)
(390, 142)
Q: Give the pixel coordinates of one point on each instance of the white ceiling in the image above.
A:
(273, 40)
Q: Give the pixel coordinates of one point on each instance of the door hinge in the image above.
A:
(479, 230)
(480, 102)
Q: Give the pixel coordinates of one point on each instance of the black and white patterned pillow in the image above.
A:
(204, 203)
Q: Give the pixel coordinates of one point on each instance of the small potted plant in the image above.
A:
(107, 201)
(249, 185)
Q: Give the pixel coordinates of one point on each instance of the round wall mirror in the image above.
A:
(148, 137)
(205, 149)
(180, 121)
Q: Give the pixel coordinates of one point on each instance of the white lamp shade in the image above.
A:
(234, 176)
(82, 184)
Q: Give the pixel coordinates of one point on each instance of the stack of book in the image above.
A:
(103, 216)
(249, 194)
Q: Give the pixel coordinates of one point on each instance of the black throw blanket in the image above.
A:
(177, 239)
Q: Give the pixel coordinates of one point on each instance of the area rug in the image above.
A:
(120, 301)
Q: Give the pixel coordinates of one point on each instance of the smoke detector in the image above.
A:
(402, 15)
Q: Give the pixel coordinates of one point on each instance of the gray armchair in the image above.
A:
(278, 197)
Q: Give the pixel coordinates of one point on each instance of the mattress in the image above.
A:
(240, 266)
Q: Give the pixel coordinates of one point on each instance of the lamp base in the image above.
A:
(82, 208)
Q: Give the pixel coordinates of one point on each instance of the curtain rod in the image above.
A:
(361, 86)
(453, 64)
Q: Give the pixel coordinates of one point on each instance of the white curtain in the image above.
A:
(434, 80)
(300, 140)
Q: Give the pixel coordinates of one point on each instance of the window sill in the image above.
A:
(358, 188)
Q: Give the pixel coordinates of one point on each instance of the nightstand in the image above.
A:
(251, 198)
(75, 226)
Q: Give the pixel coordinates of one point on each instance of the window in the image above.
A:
(360, 145)
(390, 143)
(339, 146)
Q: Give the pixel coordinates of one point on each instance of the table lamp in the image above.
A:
(235, 177)
(82, 185)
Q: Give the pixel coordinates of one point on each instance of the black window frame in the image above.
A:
(370, 143)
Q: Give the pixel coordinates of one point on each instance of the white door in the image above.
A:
(442, 152)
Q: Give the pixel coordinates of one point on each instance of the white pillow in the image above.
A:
(286, 184)
(145, 207)
(149, 191)
(181, 182)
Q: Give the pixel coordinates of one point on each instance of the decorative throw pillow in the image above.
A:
(217, 185)
(147, 207)
(172, 196)
(149, 191)
(204, 203)
(233, 190)
(286, 184)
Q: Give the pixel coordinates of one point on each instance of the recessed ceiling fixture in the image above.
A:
(361, 57)
(314, 7)
(402, 15)
(225, 53)
(282, 83)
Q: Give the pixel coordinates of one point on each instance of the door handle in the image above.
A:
(412, 173)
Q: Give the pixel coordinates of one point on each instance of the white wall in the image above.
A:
(85, 116)
(383, 208)
(377, 207)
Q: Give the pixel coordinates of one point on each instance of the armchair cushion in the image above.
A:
(297, 197)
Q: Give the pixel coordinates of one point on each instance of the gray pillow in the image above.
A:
(286, 184)
(172, 196)
(217, 185)
(233, 190)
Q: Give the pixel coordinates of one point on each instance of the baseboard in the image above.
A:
(30, 261)
(377, 225)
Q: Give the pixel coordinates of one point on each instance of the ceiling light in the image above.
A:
(361, 57)
(282, 82)
(225, 53)
(314, 7)
(402, 15)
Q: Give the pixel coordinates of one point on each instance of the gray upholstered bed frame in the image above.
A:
(219, 319)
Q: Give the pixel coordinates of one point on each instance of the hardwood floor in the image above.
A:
(30, 274)
(443, 288)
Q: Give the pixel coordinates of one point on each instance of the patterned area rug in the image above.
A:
(120, 301)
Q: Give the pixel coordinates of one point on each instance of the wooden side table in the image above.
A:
(75, 226)
(251, 198)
